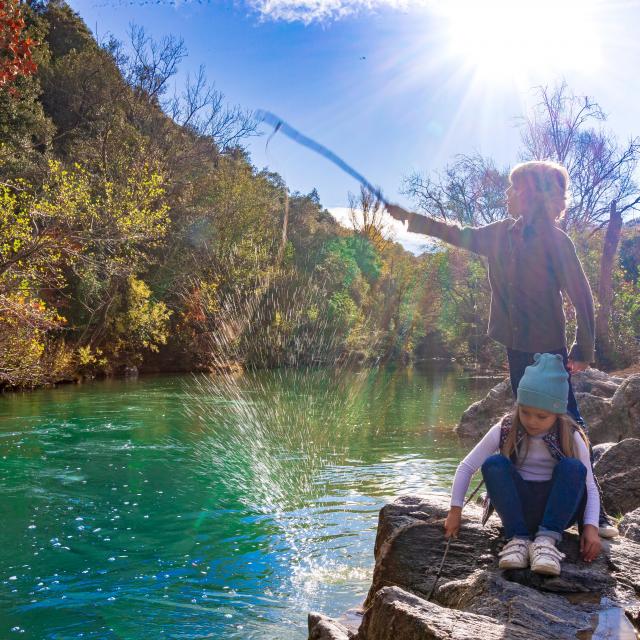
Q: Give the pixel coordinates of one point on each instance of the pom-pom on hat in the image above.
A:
(545, 384)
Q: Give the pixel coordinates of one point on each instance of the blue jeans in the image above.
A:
(529, 508)
(520, 360)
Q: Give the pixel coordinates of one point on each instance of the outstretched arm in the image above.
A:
(482, 240)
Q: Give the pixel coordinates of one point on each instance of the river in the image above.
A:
(198, 507)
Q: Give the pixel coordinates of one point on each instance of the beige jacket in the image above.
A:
(528, 273)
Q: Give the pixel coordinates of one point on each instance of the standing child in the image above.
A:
(531, 262)
(541, 481)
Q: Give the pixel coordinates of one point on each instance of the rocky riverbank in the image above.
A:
(473, 598)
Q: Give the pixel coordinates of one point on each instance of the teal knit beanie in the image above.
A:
(545, 384)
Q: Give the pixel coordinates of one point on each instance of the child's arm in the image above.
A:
(472, 462)
(483, 240)
(574, 281)
(590, 545)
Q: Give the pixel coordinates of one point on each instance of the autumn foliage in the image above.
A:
(15, 46)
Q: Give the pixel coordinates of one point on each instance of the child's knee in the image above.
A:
(495, 463)
(572, 467)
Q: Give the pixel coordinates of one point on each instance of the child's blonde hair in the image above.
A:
(517, 441)
(545, 184)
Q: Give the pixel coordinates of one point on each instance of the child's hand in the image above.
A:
(452, 523)
(590, 545)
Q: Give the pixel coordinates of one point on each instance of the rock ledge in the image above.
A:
(474, 599)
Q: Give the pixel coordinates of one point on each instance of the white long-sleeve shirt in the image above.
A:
(538, 466)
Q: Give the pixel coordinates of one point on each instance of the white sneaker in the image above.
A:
(545, 556)
(515, 554)
(606, 527)
(608, 531)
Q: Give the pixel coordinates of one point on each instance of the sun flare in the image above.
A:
(503, 39)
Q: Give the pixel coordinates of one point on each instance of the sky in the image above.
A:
(394, 86)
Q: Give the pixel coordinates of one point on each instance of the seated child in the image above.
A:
(541, 480)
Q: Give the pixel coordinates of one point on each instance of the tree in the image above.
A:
(470, 191)
(16, 48)
(567, 128)
(367, 217)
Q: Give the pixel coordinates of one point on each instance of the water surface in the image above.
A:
(191, 507)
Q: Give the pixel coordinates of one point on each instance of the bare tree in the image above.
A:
(200, 108)
(367, 217)
(568, 129)
(152, 64)
(469, 191)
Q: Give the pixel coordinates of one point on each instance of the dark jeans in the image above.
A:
(529, 508)
(520, 360)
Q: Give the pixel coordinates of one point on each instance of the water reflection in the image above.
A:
(209, 507)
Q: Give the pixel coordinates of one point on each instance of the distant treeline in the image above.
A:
(136, 233)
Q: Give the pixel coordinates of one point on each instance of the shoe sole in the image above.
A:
(513, 565)
(546, 571)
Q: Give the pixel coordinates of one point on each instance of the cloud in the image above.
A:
(413, 242)
(308, 11)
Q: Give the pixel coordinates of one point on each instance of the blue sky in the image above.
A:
(395, 86)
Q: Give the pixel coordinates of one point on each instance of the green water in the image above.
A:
(179, 507)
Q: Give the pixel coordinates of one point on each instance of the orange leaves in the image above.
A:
(16, 49)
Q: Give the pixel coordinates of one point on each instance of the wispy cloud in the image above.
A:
(308, 11)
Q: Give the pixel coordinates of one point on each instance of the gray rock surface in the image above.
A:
(599, 450)
(630, 525)
(322, 627)
(610, 406)
(474, 599)
(626, 407)
(481, 415)
(618, 472)
(396, 614)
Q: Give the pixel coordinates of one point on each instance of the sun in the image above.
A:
(507, 39)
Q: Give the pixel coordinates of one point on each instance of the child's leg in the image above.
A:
(567, 491)
(502, 481)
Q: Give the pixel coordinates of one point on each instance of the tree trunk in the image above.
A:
(604, 352)
(285, 224)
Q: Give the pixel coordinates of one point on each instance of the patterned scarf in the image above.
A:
(551, 438)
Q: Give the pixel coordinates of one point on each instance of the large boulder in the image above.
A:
(626, 408)
(396, 614)
(596, 382)
(473, 598)
(483, 414)
(618, 473)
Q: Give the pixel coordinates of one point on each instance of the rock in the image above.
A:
(596, 382)
(324, 628)
(630, 525)
(600, 449)
(626, 408)
(609, 405)
(596, 412)
(398, 615)
(619, 475)
(473, 598)
(482, 415)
